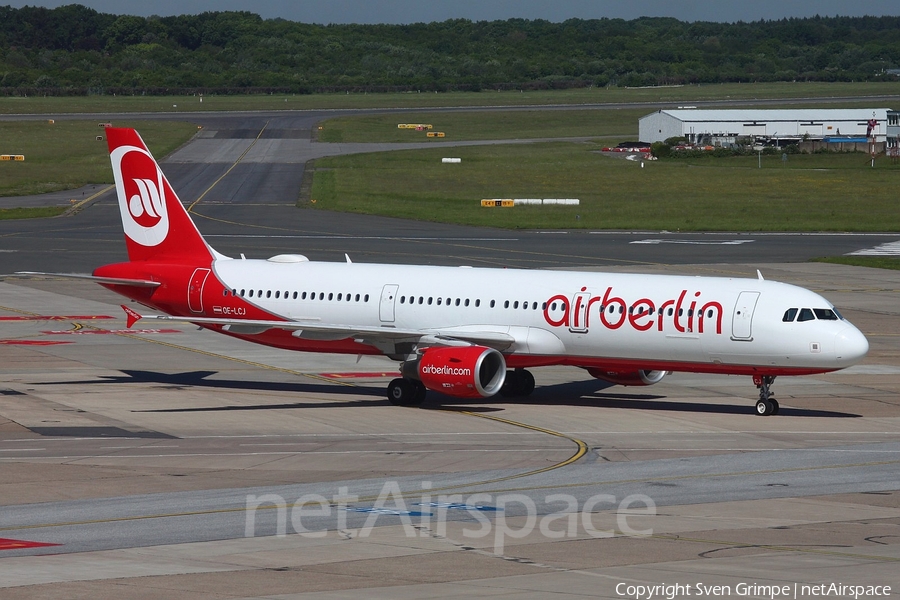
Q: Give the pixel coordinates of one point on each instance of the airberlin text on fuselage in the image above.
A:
(682, 314)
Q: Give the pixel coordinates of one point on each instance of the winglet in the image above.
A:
(131, 316)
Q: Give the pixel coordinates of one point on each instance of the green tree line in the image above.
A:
(77, 50)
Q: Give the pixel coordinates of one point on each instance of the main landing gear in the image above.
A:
(406, 392)
(518, 383)
(767, 404)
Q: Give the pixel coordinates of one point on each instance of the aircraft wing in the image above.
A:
(313, 329)
(94, 278)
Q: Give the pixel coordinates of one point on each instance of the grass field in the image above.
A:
(31, 213)
(807, 193)
(518, 124)
(875, 262)
(66, 154)
(114, 104)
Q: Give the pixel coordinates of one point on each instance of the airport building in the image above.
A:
(778, 127)
(892, 144)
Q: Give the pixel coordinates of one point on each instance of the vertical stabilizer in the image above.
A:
(157, 227)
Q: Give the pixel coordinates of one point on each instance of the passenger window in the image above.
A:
(321, 295)
(340, 296)
(366, 298)
(805, 315)
(466, 303)
(477, 303)
(506, 304)
(242, 292)
(268, 293)
(429, 300)
(789, 315)
(492, 303)
(440, 300)
(825, 314)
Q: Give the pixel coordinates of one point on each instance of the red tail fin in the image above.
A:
(157, 227)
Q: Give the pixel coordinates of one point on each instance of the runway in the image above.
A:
(178, 462)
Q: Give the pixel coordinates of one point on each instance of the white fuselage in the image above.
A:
(562, 317)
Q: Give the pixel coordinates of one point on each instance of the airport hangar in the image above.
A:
(725, 127)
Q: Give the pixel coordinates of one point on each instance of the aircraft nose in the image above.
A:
(850, 345)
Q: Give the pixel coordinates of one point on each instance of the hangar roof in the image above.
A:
(764, 115)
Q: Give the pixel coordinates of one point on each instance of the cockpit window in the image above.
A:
(825, 314)
(805, 315)
(789, 315)
(839, 315)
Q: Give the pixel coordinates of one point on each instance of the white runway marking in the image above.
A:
(694, 242)
(888, 249)
(364, 237)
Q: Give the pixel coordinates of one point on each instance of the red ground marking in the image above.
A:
(8, 544)
(31, 342)
(56, 318)
(359, 375)
(109, 331)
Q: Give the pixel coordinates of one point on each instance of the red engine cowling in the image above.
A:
(637, 378)
(464, 372)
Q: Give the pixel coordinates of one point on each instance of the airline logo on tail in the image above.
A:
(142, 195)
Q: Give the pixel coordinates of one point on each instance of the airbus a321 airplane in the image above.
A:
(466, 332)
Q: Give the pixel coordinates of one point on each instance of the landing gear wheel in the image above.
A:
(421, 392)
(765, 408)
(518, 383)
(404, 392)
(526, 380)
(767, 404)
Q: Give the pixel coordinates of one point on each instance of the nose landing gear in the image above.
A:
(767, 404)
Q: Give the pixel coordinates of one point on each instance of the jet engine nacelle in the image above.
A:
(462, 371)
(641, 377)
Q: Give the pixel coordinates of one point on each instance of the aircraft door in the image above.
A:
(579, 316)
(743, 316)
(195, 290)
(386, 307)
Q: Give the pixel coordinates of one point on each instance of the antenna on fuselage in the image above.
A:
(759, 274)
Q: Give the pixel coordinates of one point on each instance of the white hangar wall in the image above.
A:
(796, 124)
